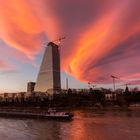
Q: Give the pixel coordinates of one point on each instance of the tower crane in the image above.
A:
(57, 40)
(90, 84)
(113, 78)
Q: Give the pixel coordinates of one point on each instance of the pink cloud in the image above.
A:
(24, 25)
(102, 35)
(4, 66)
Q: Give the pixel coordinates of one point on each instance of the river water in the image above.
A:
(86, 125)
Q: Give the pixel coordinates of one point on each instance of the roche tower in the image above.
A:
(48, 79)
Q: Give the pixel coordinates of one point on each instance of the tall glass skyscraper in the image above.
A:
(48, 79)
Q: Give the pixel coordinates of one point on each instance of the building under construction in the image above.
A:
(48, 79)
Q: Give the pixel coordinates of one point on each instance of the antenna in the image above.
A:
(67, 84)
(114, 77)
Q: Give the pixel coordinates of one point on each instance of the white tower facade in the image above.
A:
(48, 79)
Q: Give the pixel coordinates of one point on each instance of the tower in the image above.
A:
(48, 79)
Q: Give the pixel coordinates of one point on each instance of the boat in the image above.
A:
(50, 114)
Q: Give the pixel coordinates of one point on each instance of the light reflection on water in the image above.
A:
(86, 125)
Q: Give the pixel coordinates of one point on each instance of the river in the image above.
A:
(86, 125)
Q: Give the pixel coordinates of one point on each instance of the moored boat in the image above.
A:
(50, 114)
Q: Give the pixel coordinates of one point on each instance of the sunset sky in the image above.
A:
(102, 39)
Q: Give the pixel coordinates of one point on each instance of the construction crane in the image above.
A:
(126, 84)
(113, 78)
(57, 40)
(91, 85)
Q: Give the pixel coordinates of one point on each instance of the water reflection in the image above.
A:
(86, 125)
(77, 129)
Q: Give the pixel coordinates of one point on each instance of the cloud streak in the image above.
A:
(24, 27)
(109, 45)
(102, 35)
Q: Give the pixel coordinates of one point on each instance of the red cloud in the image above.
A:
(102, 35)
(24, 25)
(113, 32)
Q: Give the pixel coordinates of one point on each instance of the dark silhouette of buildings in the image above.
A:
(30, 87)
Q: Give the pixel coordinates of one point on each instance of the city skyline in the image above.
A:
(102, 39)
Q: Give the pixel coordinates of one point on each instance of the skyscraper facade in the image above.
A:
(48, 79)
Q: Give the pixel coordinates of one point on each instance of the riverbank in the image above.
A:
(38, 109)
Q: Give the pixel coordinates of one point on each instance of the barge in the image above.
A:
(50, 114)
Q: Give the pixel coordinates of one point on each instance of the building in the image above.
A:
(48, 79)
(30, 87)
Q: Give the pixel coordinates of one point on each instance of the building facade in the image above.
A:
(48, 79)
(30, 87)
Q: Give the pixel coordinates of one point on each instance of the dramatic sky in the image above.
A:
(102, 39)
